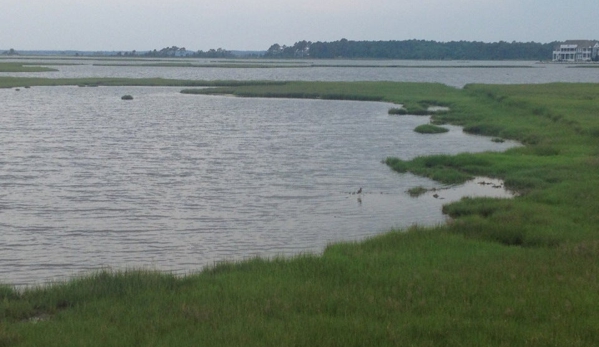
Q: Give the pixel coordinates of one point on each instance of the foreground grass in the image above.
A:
(423, 287)
(517, 272)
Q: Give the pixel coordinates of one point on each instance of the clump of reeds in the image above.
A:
(417, 191)
(430, 129)
(398, 111)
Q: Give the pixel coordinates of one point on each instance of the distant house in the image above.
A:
(576, 51)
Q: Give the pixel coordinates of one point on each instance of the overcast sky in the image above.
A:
(256, 24)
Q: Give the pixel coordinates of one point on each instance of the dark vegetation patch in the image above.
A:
(483, 207)
(398, 111)
(417, 191)
(442, 168)
(430, 129)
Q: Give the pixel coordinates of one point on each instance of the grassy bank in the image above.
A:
(517, 272)
(415, 97)
(20, 67)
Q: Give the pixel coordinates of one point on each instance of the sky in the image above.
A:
(118, 25)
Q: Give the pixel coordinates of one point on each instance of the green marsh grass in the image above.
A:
(430, 129)
(417, 191)
(502, 272)
(407, 94)
(398, 111)
(20, 67)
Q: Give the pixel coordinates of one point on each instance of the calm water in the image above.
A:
(176, 182)
(410, 71)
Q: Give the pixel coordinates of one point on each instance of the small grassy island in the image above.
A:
(430, 129)
(504, 272)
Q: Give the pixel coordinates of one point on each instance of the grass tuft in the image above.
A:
(398, 111)
(417, 191)
(430, 129)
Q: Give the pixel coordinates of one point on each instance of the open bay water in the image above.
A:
(452, 73)
(176, 182)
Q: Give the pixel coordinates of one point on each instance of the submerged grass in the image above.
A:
(503, 272)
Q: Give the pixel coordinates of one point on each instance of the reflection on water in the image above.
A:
(175, 182)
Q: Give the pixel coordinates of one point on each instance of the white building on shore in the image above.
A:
(574, 51)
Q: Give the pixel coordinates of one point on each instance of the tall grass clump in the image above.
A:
(430, 129)
(417, 191)
(398, 111)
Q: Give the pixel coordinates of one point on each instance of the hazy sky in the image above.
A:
(257, 24)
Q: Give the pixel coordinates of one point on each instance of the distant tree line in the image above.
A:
(179, 52)
(10, 52)
(414, 49)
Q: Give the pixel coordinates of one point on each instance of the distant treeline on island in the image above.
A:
(414, 49)
(408, 49)
(347, 49)
(174, 51)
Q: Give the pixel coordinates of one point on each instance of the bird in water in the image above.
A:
(360, 190)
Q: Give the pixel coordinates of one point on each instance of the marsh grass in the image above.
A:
(430, 129)
(503, 272)
(407, 94)
(21, 67)
(421, 287)
(417, 191)
(397, 111)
